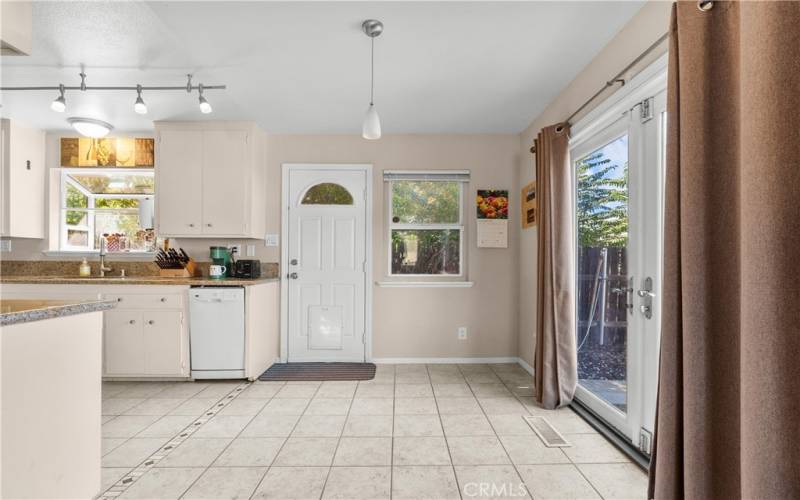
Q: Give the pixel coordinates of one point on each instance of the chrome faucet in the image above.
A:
(103, 268)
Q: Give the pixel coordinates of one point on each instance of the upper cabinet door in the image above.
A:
(179, 162)
(226, 174)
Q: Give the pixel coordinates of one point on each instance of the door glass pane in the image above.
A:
(327, 193)
(602, 212)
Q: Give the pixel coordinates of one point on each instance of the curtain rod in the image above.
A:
(616, 79)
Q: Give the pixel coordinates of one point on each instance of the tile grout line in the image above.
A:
(228, 445)
(119, 487)
(286, 440)
(339, 440)
(441, 423)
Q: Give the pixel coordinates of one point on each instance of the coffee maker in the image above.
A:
(222, 256)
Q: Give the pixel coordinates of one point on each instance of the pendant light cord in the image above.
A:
(372, 72)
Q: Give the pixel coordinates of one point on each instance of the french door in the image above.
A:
(618, 158)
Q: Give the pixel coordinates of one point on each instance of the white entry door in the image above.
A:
(326, 263)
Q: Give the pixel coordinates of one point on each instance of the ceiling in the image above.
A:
(303, 67)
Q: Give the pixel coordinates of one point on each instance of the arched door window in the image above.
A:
(327, 193)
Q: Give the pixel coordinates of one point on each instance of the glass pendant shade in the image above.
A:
(372, 124)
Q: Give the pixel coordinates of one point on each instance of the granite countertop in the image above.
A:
(132, 280)
(13, 311)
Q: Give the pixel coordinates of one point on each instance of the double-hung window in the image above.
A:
(111, 206)
(426, 222)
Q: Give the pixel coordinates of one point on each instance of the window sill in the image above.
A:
(143, 256)
(425, 284)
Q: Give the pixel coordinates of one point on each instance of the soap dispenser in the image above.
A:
(85, 269)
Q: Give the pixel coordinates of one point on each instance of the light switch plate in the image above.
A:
(271, 240)
(5, 245)
(251, 250)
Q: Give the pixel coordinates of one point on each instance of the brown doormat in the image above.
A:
(318, 371)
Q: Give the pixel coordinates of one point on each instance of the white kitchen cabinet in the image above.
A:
(22, 181)
(123, 343)
(163, 350)
(210, 179)
(178, 187)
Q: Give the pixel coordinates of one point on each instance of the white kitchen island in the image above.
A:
(50, 396)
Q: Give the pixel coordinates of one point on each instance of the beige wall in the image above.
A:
(641, 32)
(422, 322)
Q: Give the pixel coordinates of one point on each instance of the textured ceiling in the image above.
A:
(303, 67)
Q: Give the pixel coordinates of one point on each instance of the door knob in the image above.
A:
(646, 293)
(293, 262)
(293, 276)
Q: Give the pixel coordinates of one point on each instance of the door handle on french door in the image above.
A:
(647, 295)
(293, 276)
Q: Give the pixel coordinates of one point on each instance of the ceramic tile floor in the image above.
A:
(415, 431)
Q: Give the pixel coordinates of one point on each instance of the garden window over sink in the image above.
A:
(112, 206)
(426, 228)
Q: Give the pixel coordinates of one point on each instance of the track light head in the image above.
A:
(205, 107)
(59, 104)
(139, 106)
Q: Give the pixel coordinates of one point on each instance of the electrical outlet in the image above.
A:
(251, 250)
(462, 333)
(237, 249)
(271, 240)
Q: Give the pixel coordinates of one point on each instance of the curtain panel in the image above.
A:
(556, 362)
(729, 404)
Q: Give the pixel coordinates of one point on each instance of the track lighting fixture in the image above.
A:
(205, 107)
(59, 104)
(139, 106)
(371, 129)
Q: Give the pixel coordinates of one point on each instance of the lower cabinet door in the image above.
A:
(163, 343)
(124, 343)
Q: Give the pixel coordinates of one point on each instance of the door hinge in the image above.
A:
(646, 110)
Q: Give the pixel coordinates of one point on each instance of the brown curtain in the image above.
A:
(556, 357)
(729, 398)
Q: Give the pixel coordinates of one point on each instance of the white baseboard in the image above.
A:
(524, 364)
(430, 361)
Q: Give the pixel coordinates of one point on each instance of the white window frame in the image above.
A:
(64, 174)
(429, 176)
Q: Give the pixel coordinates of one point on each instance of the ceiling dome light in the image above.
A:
(139, 106)
(59, 104)
(205, 107)
(371, 129)
(89, 127)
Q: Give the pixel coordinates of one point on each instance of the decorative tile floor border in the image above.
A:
(131, 477)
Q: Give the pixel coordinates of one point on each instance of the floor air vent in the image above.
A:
(546, 432)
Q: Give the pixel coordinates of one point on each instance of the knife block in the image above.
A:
(189, 271)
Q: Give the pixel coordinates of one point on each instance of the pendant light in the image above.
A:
(371, 128)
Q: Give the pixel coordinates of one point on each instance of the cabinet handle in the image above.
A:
(163, 299)
(119, 299)
(209, 225)
(191, 225)
(133, 321)
(151, 322)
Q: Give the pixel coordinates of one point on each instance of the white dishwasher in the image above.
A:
(216, 332)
